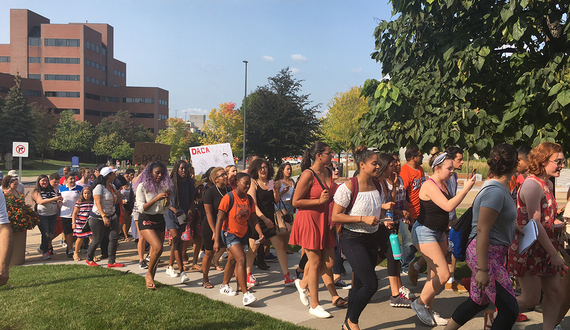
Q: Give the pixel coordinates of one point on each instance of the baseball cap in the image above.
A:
(106, 171)
(13, 173)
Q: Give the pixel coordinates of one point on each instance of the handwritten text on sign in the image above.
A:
(204, 157)
(150, 152)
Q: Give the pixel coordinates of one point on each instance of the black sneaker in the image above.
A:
(70, 254)
(143, 264)
(400, 301)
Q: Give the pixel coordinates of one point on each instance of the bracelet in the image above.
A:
(484, 270)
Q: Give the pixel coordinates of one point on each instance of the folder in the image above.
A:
(530, 236)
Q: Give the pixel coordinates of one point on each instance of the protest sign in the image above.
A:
(204, 157)
(149, 152)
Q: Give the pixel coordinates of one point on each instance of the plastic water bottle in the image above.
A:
(389, 213)
(395, 243)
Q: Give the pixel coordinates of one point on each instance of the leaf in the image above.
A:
(481, 144)
(519, 28)
(528, 130)
(448, 53)
(394, 93)
(563, 97)
(554, 89)
(484, 51)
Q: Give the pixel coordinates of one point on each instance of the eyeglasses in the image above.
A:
(327, 153)
(558, 162)
(263, 167)
(222, 175)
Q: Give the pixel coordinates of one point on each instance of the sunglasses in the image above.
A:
(558, 162)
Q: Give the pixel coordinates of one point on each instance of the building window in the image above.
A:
(119, 73)
(142, 115)
(137, 100)
(61, 60)
(28, 92)
(92, 97)
(56, 110)
(103, 67)
(4, 58)
(104, 83)
(62, 42)
(62, 94)
(93, 64)
(34, 60)
(34, 42)
(110, 99)
(163, 117)
(162, 102)
(61, 77)
(93, 113)
(108, 113)
(92, 46)
(92, 80)
(34, 76)
(104, 50)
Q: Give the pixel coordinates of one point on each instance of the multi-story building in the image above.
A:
(71, 67)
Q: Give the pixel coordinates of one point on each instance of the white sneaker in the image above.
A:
(183, 277)
(406, 292)
(319, 312)
(248, 298)
(170, 271)
(224, 256)
(201, 255)
(303, 294)
(438, 319)
(227, 290)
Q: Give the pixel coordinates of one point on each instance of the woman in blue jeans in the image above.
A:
(360, 223)
(48, 204)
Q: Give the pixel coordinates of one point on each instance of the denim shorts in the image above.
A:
(422, 234)
(230, 239)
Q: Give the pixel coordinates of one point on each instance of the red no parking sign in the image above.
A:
(20, 149)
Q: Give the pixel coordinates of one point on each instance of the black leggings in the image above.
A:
(506, 305)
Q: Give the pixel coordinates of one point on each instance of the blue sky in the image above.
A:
(196, 49)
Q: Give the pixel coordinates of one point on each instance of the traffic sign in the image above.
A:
(20, 149)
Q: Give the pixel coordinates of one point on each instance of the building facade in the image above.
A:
(72, 67)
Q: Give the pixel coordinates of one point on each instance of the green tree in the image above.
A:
(281, 122)
(105, 144)
(224, 125)
(177, 136)
(71, 135)
(342, 119)
(123, 151)
(470, 74)
(44, 124)
(15, 118)
(122, 124)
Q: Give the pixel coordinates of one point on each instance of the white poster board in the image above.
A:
(204, 157)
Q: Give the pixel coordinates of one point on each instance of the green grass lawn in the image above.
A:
(34, 167)
(79, 297)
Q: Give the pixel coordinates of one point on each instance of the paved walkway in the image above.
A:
(283, 302)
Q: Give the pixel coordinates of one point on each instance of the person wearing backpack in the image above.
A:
(359, 205)
(492, 231)
(236, 210)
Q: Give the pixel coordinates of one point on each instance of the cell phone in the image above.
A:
(473, 173)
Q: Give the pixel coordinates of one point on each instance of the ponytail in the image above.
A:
(311, 153)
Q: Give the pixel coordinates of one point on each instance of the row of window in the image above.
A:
(163, 117)
(137, 100)
(93, 64)
(62, 42)
(34, 60)
(56, 110)
(71, 77)
(35, 76)
(92, 80)
(4, 58)
(62, 94)
(162, 102)
(98, 113)
(92, 46)
(119, 73)
(96, 97)
(61, 60)
(142, 115)
(34, 42)
(28, 92)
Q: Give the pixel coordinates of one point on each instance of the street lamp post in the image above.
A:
(244, 112)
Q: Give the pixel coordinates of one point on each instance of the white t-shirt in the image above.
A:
(107, 202)
(70, 197)
(3, 213)
(366, 203)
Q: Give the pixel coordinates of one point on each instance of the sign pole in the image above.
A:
(20, 169)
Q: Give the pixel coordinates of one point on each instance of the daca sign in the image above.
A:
(150, 152)
(204, 157)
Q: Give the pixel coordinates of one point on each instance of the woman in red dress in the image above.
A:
(311, 228)
(541, 265)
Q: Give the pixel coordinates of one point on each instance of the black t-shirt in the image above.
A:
(213, 196)
(185, 190)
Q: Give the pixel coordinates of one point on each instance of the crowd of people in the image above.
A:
(242, 214)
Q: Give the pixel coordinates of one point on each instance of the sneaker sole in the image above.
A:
(418, 315)
(250, 302)
(321, 316)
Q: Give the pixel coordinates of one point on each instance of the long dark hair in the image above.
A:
(39, 188)
(279, 175)
(174, 177)
(310, 154)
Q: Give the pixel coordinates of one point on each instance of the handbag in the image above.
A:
(283, 220)
(182, 219)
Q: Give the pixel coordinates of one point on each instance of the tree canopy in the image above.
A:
(72, 135)
(15, 118)
(122, 124)
(470, 73)
(281, 121)
(224, 125)
(178, 137)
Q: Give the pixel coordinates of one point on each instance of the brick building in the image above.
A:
(71, 67)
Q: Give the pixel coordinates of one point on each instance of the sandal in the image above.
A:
(489, 319)
(340, 302)
(76, 257)
(207, 285)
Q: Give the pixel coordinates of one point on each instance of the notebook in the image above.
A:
(530, 236)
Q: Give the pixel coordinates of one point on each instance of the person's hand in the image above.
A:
(482, 280)
(125, 201)
(268, 223)
(216, 246)
(469, 183)
(73, 225)
(106, 222)
(286, 189)
(520, 230)
(324, 197)
(407, 215)
(388, 206)
(58, 199)
(370, 220)
(558, 264)
(389, 224)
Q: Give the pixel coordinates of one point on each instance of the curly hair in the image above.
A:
(255, 167)
(151, 185)
(540, 154)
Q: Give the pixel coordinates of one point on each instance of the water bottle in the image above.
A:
(395, 243)
(389, 213)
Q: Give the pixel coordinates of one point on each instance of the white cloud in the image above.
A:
(267, 58)
(298, 57)
(193, 111)
(356, 70)
(294, 70)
